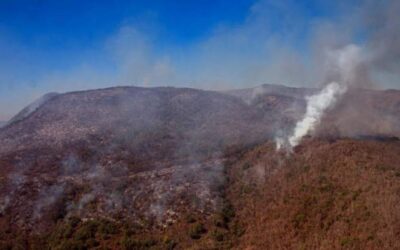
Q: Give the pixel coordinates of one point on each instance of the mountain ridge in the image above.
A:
(152, 162)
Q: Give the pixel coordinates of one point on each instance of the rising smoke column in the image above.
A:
(316, 106)
(342, 65)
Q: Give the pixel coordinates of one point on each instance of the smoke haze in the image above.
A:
(248, 53)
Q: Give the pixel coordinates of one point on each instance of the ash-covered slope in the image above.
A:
(164, 118)
(126, 151)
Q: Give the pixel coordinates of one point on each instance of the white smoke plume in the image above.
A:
(316, 106)
(343, 66)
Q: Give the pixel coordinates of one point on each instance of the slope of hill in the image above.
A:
(364, 113)
(360, 112)
(133, 168)
(133, 153)
(249, 94)
(341, 194)
(32, 107)
(127, 113)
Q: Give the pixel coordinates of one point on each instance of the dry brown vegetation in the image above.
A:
(341, 194)
(338, 194)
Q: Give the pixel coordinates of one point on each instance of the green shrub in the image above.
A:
(227, 212)
(237, 229)
(196, 231)
(218, 235)
(349, 241)
(299, 219)
(190, 219)
(86, 230)
(71, 245)
(67, 232)
(91, 243)
(219, 221)
(59, 210)
(246, 189)
(74, 221)
(246, 166)
(131, 243)
(169, 243)
(107, 228)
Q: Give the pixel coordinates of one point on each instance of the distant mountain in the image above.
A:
(249, 94)
(359, 113)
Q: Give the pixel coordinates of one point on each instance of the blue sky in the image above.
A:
(56, 33)
(60, 46)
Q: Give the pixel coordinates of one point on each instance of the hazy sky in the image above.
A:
(58, 46)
